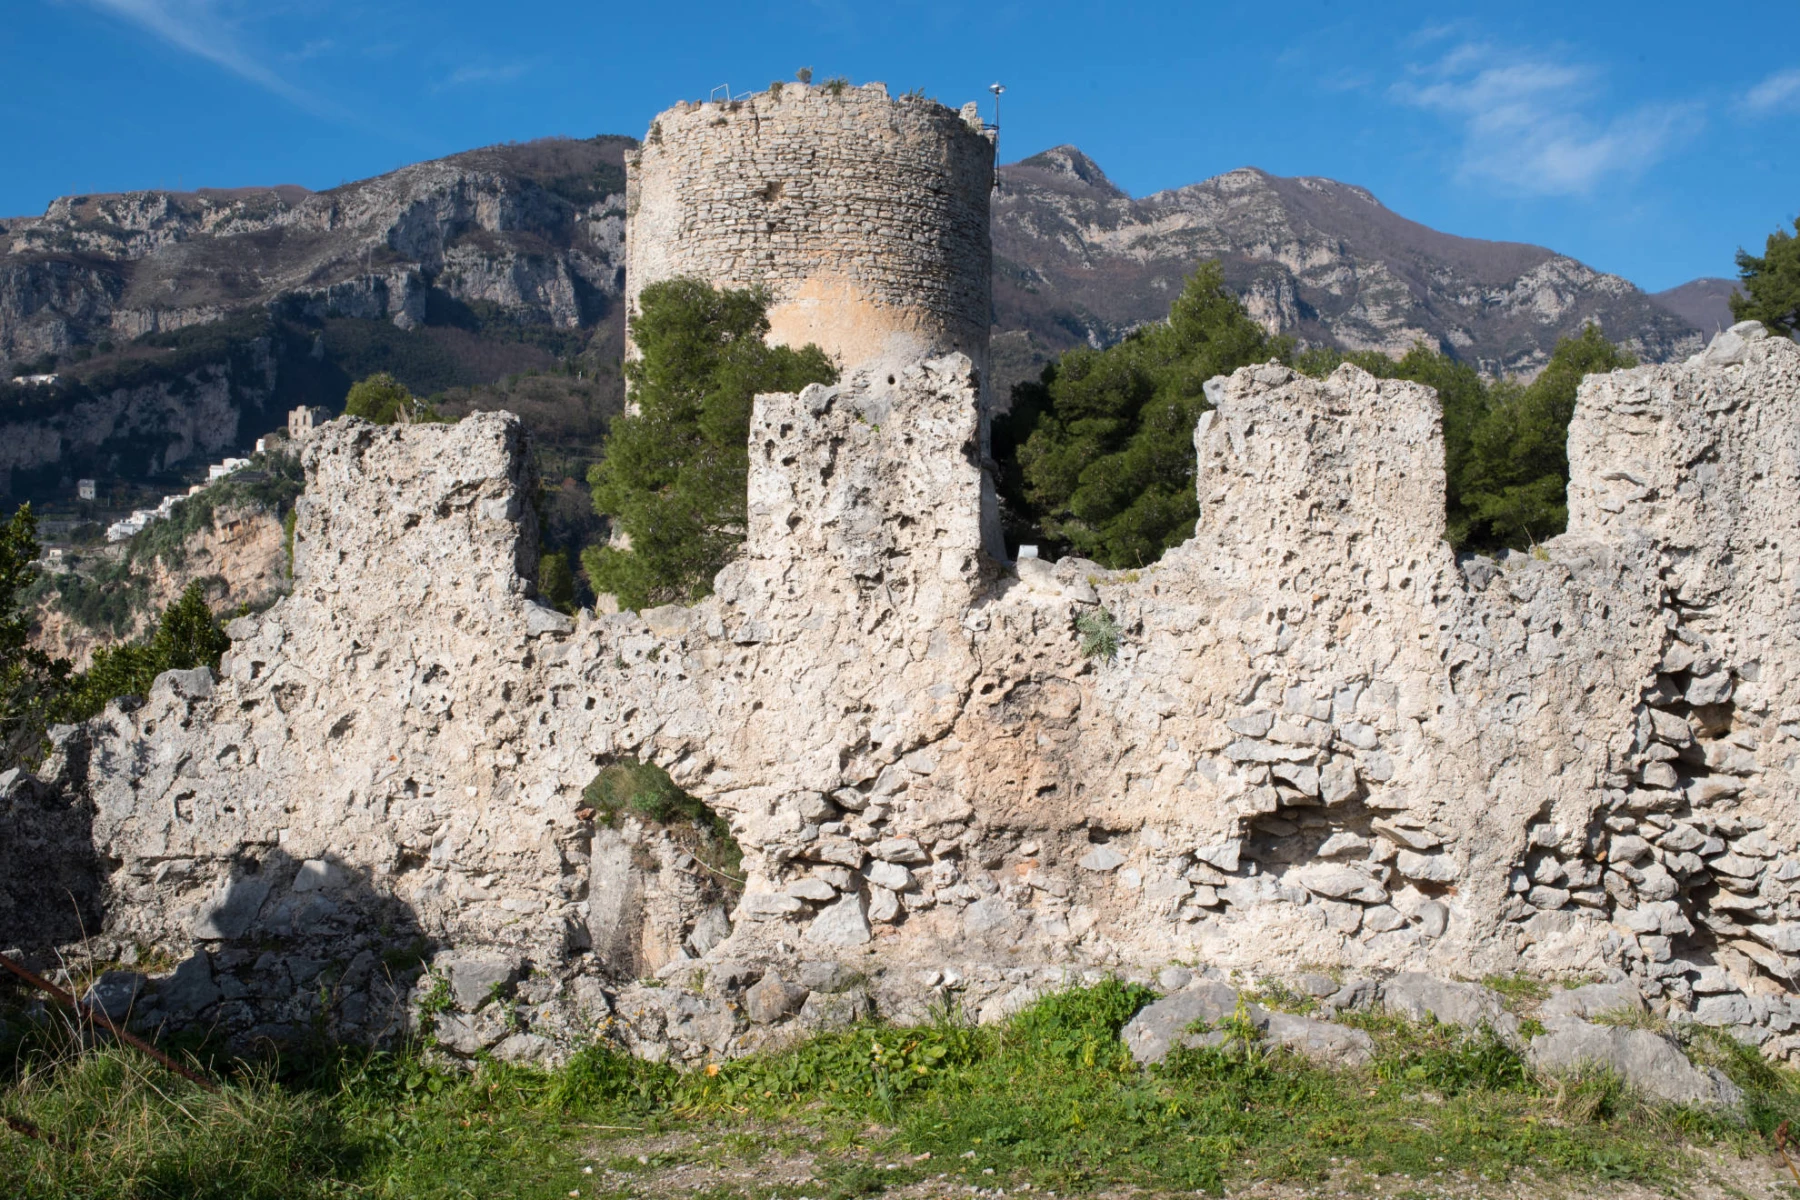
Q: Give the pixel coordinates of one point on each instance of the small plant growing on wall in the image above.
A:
(836, 85)
(775, 89)
(645, 791)
(804, 74)
(1099, 634)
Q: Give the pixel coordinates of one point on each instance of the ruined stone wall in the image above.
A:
(865, 215)
(1323, 738)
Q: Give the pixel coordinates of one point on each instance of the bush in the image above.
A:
(188, 636)
(675, 474)
(384, 400)
(32, 683)
(1081, 1026)
(644, 790)
(556, 583)
(1097, 457)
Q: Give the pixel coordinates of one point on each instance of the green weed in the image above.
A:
(1049, 1099)
(1099, 634)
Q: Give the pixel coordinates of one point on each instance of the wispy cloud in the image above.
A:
(313, 49)
(471, 74)
(198, 27)
(1782, 89)
(1537, 124)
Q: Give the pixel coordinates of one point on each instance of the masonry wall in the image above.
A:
(1323, 740)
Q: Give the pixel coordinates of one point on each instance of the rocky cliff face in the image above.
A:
(536, 230)
(241, 558)
(1320, 739)
(186, 324)
(1078, 260)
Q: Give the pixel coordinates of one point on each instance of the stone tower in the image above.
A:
(865, 215)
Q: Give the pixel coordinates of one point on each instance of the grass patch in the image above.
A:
(1276, 995)
(1048, 1099)
(1518, 992)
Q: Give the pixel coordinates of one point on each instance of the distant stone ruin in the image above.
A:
(1321, 740)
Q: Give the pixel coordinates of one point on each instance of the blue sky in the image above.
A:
(1645, 138)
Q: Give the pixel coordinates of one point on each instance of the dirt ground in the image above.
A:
(770, 1163)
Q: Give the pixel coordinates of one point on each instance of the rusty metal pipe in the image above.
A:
(105, 1022)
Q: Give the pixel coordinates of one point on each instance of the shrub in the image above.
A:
(1081, 1026)
(556, 583)
(645, 790)
(384, 400)
(188, 636)
(675, 474)
(31, 682)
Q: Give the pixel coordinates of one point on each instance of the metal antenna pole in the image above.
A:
(996, 88)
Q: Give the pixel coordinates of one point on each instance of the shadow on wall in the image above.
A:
(51, 879)
(278, 951)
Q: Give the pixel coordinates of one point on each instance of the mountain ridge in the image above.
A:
(456, 272)
(1080, 260)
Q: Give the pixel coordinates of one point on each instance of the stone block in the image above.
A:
(899, 850)
(115, 993)
(1417, 997)
(475, 981)
(1102, 858)
(813, 888)
(845, 923)
(1426, 868)
(232, 908)
(1649, 1062)
(771, 998)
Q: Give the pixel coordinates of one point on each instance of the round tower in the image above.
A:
(864, 215)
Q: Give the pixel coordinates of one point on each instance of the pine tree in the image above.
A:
(1771, 284)
(675, 475)
(1098, 455)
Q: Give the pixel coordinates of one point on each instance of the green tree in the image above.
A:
(32, 683)
(675, 474)
(188, 636)
(1771, 284)
(1097, 456)
(556, 582)
(1513, 485)
(384, 400)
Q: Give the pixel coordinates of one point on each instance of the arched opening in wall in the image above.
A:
(665, 871)
(628, 789)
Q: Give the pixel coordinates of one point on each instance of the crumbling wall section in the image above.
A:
(1321, 738)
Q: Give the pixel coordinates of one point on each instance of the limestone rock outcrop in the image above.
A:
(1078, 260)
(1322, 738)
